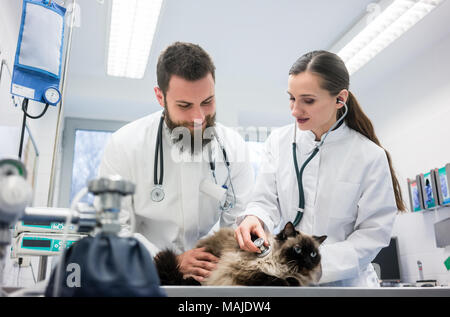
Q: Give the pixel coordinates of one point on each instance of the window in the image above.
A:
(256, 151)
(255, 138)
(83, 143)
(88, 152)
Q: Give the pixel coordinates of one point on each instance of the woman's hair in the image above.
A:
(334, 77)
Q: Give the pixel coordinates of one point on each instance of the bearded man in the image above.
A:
(192, 174)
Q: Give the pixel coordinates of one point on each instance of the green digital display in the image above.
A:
(37, 223)
(35, 243)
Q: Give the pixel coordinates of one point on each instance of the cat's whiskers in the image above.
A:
(292, 264)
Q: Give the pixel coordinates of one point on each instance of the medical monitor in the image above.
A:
(388, 262)
(428, 188)
(442, 177)
(415, 197)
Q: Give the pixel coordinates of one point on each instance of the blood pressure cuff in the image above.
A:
(106, 266)
(37, 64)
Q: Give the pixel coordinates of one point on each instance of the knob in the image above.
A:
(112, 184)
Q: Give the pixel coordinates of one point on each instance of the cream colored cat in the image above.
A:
(294, 260)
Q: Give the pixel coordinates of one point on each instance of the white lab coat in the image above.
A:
(348, 196)
(185, 214)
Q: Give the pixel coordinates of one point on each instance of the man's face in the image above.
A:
(189, 104)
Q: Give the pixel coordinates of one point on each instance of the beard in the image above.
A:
(184, 138)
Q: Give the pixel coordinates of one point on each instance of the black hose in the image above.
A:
(24, 120)
(22, 134)
(25, 108)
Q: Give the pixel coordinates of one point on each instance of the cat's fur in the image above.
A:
(294, 260)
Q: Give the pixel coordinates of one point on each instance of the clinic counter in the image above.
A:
(257, 291)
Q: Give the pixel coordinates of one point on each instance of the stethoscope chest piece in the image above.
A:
(259, 243)
(157, 193)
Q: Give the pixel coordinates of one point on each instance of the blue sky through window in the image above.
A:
(88, 151)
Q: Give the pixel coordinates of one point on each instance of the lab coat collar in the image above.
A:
(309, 137)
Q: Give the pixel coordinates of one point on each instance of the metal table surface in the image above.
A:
(255, 291)
(261, 292)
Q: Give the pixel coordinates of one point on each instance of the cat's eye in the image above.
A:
(297, 249)
(313, 254)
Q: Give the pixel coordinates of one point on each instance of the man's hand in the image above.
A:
(250, 225)
(197, 263)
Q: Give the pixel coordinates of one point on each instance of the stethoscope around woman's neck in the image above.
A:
(299, 173)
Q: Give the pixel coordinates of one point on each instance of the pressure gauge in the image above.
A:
(52, 95)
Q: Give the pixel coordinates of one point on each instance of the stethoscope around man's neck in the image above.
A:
(157, 193)
(299, 173)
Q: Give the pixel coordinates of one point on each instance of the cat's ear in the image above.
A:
(281, 236)
(320, 239)
(289, 230)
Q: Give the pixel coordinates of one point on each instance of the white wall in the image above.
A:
(9, 28)
(411, 113)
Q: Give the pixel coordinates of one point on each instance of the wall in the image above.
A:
(9, 28)
(411, 113)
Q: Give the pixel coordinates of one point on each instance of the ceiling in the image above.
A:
(253, 44)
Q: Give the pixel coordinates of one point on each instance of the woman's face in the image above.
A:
(313, 107)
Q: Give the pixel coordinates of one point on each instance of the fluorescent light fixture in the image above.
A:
(133, 25)
(388, 21)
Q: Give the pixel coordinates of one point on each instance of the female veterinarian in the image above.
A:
(328, 174)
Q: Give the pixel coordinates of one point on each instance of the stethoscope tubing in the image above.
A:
(159, 150)
(299, 173)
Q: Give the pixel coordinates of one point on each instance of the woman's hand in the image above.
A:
(250, 225)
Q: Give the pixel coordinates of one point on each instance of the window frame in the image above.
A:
(71, 125)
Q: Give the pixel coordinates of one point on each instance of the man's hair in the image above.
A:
(187, 60)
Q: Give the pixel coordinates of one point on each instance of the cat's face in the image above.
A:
(298, 250)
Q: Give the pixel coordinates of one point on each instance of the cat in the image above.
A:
(294, 260)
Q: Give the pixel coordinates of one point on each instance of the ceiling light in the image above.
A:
(380, 28)
(133, 25)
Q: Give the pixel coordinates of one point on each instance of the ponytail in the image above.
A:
(334, 77)
(357, 120)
